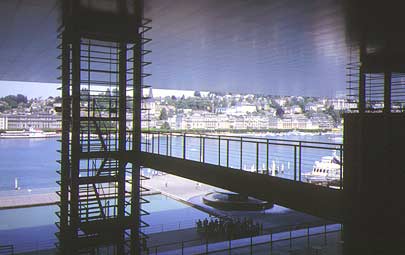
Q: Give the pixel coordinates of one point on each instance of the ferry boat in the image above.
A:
(31, 133)
(325, 172)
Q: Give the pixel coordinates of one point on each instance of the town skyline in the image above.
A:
(195, 110)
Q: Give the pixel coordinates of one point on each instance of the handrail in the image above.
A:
(235, 152)
(237, 137)
(154, 249)
(290, 232)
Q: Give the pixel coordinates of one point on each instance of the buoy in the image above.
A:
(16, 183)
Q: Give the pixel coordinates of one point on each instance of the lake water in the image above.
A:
(33, 163)
(34, 228)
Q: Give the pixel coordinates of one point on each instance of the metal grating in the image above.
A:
(374, 91)
(101, 194)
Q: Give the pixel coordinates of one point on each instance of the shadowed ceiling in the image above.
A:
(294, 47)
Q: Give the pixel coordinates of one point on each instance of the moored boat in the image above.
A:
(31, 133)
(326, 171)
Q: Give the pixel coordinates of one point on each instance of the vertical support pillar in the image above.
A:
(65, 167)
(122, 139)
(362, 91)
(362, 80)
(136, 137)
(75, 140)
(387, 92)
(373, 183)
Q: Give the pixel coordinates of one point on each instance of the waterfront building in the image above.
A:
(26, 121)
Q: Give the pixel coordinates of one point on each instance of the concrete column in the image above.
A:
(374, 172)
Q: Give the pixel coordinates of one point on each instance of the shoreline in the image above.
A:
(19, 201)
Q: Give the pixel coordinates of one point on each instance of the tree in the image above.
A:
(197, 93)
(21, 99)
(163, 114)
(165, 125)
(335, 114)
(279, 112)
(58, 99)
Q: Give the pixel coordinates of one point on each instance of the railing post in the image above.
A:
(182, 247)
(153, 143)
(324, 234)
(341, 166)
(271, 240)
(203, 150)
(227, 152)
(171, 144)
(290, 238)
(295, 162)
(300, 162)
(241, 155)
(206, 246)
(219, 150)
(257, 157)
(200, 159)
(158, 145)
(184, 146)
(267, 156)
(308, 236)
(167, 145)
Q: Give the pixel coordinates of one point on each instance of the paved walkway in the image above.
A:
(177, 187)
(24, 198)
(189, 192)
(182, 190)
(28, 200)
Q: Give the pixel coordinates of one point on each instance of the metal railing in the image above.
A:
(171, 226)
(28, 246)
(207, 246)
(6, 249)
(290, 159)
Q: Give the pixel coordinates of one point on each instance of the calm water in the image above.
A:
(33, 228)
(280, 157)
(33, 163)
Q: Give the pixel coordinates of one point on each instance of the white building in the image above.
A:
(25, 121)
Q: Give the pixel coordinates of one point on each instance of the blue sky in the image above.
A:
(29, 89)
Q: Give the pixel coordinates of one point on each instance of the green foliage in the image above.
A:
(12, 102)
(194, 103)
(163, 114)
(335, 114)
(279, 112)
(165, 126)
(197, 93)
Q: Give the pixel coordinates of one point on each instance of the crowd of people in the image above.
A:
(231, 228)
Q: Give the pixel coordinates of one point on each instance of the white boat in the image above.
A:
(326, 171)
(31, 133)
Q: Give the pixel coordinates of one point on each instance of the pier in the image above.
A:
(25, 199)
